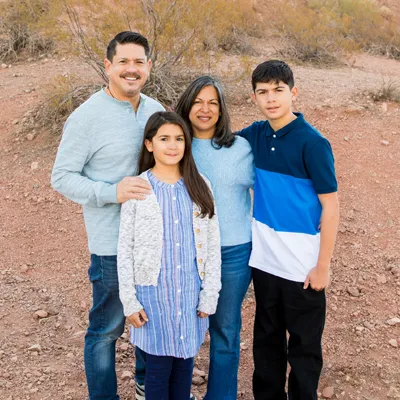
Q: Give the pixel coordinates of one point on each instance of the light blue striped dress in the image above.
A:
(174, 329)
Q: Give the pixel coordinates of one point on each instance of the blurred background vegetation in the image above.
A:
(188, 36)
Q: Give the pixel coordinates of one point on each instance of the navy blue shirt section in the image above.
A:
(297, 150)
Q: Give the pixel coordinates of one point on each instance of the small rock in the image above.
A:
(24, 269)
(199, 372)
(34, 165)
(384, 108)
(15, 122)
(124, 347)
(353, 291)
(4, 66)
(52, 311)
(385, 142)
(30, 136)
(40, 314)
(197, 380)
(243, 346)
(393, 343)
(35, 347)
(346, 138)
(328, 392)
(126, 375)
(381, 279)
(393, 321)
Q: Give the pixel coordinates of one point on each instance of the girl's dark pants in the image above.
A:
(168, 378)
(284, 306)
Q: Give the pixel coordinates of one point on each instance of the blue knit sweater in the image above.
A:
(231, 173)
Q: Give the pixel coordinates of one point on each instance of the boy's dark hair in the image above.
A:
(196, 186)
(124, 38)
(272, 71)
(223, 135)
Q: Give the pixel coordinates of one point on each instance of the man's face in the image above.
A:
(128, 71)
(274, 99)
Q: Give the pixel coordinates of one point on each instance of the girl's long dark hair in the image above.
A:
(198, 189)
(223, 135)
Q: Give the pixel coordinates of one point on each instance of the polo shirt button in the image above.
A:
(273, 149)
(274, 136)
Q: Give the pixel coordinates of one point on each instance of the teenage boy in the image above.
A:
(295, 222)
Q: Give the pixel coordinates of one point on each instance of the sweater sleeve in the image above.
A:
(126, 278)
(73, 154)
(211, 284)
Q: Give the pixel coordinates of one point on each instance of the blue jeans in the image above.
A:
(168, 378)
(106, 325)
(225, 326)
(226, 323)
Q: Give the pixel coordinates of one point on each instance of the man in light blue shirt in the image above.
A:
(96, 166)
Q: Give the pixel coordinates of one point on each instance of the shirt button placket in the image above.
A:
(175, 228)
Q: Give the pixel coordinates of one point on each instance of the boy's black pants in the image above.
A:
(283, 305)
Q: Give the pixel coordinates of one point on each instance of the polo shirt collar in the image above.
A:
(287, 128)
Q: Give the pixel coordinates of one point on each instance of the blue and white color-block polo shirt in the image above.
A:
(293, 166)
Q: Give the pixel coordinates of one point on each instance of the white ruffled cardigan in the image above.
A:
(140, 249)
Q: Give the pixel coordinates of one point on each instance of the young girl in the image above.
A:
(169, 262)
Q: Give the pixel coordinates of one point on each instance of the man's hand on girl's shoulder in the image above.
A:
(132, 187)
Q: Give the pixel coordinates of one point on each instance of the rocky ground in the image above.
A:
(45, 293)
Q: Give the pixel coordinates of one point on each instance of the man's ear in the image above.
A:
(107, 64)
(149, 145)
(253, 97)
(149, 64)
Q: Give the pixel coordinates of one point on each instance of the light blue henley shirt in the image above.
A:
(100, 145)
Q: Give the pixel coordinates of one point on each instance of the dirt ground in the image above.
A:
(44, 258)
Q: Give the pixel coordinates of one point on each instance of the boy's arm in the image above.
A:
(318, 277)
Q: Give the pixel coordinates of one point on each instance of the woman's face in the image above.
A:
(205, 113)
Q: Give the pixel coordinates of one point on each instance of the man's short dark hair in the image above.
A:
(124, 38)
(272, 71)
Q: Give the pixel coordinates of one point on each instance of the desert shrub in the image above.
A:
(387, 90)
(180, 33)
(23, 27)
(325, 30)
(62, 95)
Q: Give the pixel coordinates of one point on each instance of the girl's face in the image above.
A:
(205, 113)
(168, 145)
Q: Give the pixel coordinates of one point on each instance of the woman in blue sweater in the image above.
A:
(227, 161)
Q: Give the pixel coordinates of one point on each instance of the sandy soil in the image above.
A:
(44, 259)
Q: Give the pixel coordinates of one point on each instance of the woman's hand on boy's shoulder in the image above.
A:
(138, 319)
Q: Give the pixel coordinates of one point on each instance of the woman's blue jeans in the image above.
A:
(225, 326)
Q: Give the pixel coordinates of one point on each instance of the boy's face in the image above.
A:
(274, 100)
